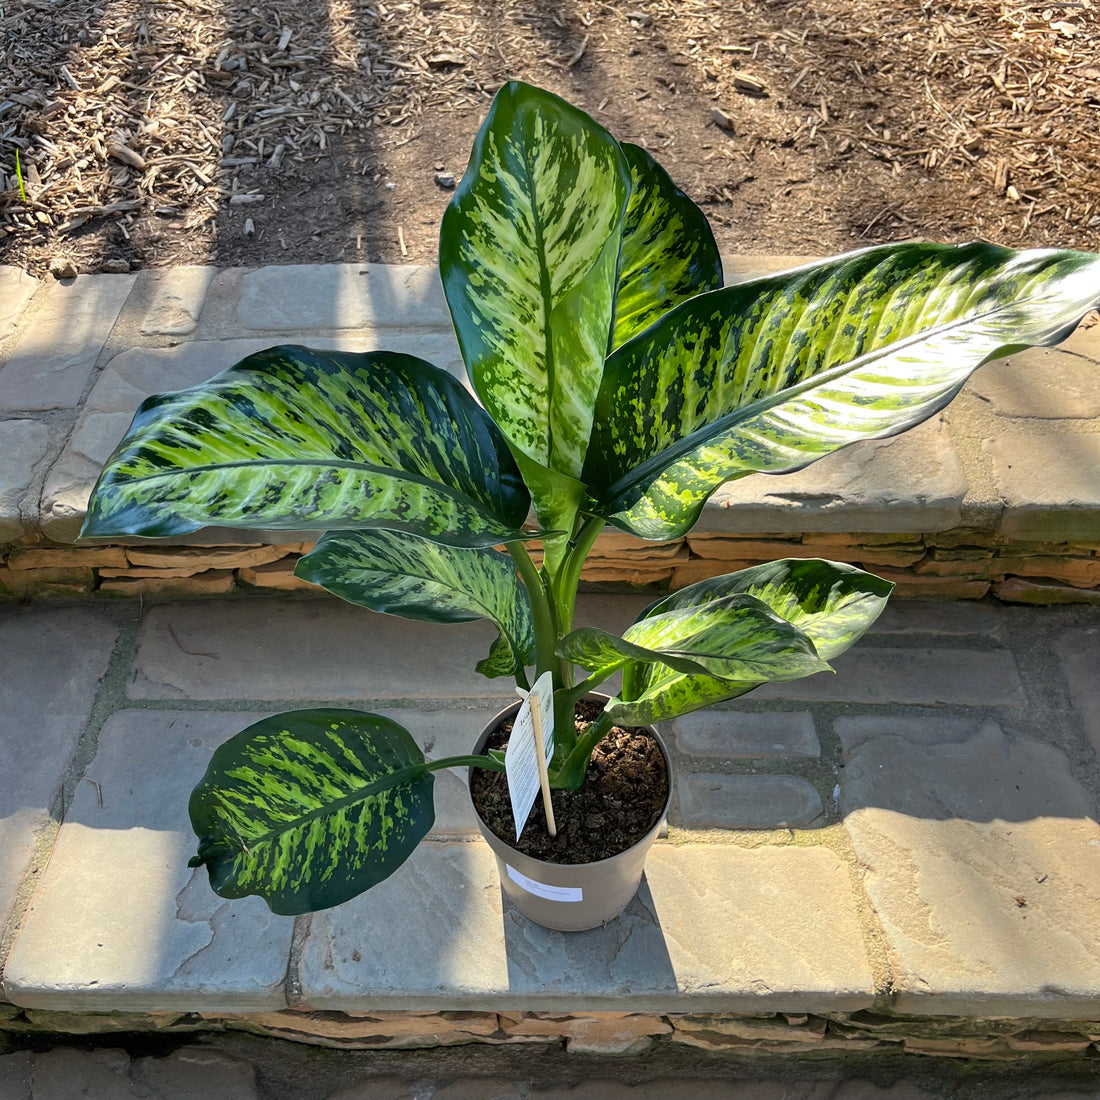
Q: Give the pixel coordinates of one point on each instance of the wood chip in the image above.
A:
(748, 84)
(125, 155)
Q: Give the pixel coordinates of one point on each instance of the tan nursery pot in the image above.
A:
(568, 897)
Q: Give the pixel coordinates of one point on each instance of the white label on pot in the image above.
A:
(521, 759)
(551, 893)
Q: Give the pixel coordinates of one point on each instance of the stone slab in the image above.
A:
(141, 931)
(1079, 652)
(982, 860)
(443, 733)
(23, 445)
(54, 358)
(138, 373)
(1048, 482)
(431, 936)
(949, 617)
(929, 728)
(744, 735)
(296, 297)
(1059, 383)
(16, 290)
(914, 482)
(748, 801)
(178, 294)
(308, 650)
(920, 677)
(52, 661)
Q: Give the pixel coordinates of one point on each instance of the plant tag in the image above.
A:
(540, 889)
(521, 760)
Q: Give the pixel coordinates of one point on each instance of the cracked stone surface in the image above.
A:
(1079, 651)
(435, 938)
(739, 735)
(66, 1073)
(316, 649)
(982, 861)
(141, 930)
(16, 289)
(53, 360)
(1046, 383)
(178, 297)
(51, 663)
(293, 297)
(926, 676)
(23, 444)
(914, 482)
(1048, 483)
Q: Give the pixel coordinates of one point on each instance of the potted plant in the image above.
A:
(619, 383)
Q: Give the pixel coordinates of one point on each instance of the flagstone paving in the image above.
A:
(930, 849)
(916, 834)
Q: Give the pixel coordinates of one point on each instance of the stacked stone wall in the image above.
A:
(963, 563)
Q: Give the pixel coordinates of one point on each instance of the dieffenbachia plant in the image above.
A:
(619, 383)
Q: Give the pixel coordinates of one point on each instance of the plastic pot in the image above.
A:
(569, 897)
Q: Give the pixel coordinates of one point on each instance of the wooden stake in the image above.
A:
(540, 759)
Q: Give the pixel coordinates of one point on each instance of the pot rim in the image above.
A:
(513, 708)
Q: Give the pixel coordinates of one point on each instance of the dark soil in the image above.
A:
(623, 796)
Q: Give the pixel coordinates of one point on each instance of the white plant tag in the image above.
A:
(521, 758)
(540, 889)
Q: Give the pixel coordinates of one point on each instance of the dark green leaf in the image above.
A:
(773, 374)
(292, 438)
(310, 808)
(400, 574)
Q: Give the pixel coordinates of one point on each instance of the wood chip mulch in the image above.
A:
(118, 110)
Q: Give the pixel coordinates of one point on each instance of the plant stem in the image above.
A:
(486, 762)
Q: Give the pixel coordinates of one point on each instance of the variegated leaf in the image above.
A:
(310, 808)
(734, 637)
(668, 252)
(399, 574)
(528, 255)
(292, 438)
(830, 603)
(773, 374)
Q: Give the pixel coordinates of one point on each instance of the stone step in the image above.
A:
(915, 842)
(998, 494)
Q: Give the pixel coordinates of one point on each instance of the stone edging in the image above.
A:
(606, 1033)
(957, 564)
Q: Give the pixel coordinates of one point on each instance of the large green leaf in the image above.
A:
(399, 574)
(829, 603)
(668, 252)
(735, 637)
(310, 808)
(773, 374)
(292, 438)
(528, 255)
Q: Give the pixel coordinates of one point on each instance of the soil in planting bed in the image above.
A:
(622, 798)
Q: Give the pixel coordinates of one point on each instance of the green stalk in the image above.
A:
(486, 762)
(565, 581)
(547, 635)
(570, 775)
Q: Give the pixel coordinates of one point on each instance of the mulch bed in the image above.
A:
(296, 130)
